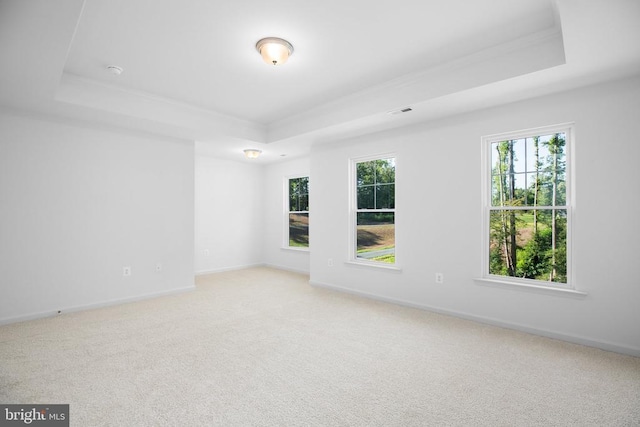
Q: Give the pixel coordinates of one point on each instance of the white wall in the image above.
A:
(79, 204)
(276, 253)
(229, 209)
(439, 207)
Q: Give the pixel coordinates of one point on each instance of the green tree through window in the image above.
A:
(299, 212)
(375, 210)
(528, 211)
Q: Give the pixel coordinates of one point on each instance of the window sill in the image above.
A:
(294, 249)
(530, 287)
(374, 265)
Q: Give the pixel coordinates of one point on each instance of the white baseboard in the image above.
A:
(223, 269)
(293, 270)
(242, 267)
(603, 345)
(44, 314)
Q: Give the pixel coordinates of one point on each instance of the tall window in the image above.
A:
(528, 209)
(375, 210)
(299, 212)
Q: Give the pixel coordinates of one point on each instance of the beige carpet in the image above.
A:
(260, 347)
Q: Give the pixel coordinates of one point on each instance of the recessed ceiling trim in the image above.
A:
(508, 60)
(186, 118)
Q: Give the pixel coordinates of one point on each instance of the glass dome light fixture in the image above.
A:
(252, 153)
(274, 51)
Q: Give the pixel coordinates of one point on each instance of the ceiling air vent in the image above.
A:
(400, 111)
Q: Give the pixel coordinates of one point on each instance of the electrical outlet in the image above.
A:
(439, 278)
(158, 267)
(126, 271)
(330, 262)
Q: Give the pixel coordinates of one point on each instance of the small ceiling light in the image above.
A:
(114, 69)
(274, 51)
(252, 153)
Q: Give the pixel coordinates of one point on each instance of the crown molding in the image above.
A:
(198, 122)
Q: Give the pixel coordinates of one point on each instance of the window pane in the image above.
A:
(299, 230)
(385, 196)
(299, 194)
(375, 190)
(385, 171)
(520, 183)
(501, 157)
(375, 184)
(552, 152)
(293, 194)
(546, 189)
(366, 173)
(495, 159)
(531, 190)
(304, 185)
(529, 244)
(376, 236)
(365, 197)
(508, 190)
(530, 150)
(520, 154)
(304, 202)
(497, 184)
(294, 185)
(553, 190)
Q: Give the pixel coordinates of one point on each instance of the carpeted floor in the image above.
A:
(260, 347)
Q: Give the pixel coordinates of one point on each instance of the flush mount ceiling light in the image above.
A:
(274, 51)
(252, 153)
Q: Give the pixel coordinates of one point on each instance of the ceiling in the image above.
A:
(191, 70)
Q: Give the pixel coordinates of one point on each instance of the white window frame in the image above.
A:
(353, 210)
(569, 131)
(285, 240)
